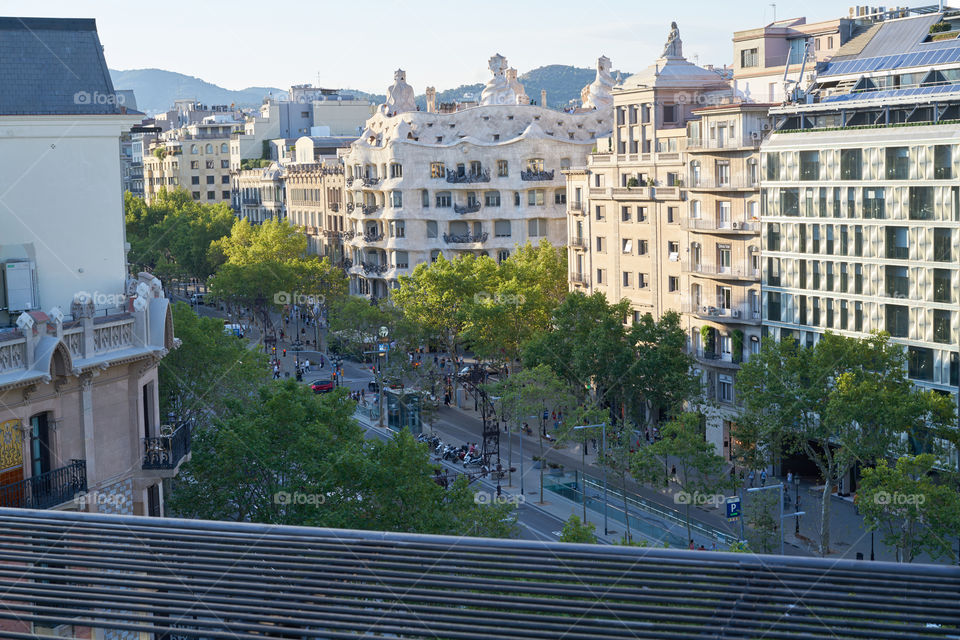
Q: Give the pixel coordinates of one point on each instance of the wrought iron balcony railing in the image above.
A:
(166, 451)
(529, 175)
(468, 208)
(465, 238)
(369, 208)
(579, 278)
(467, 178)
(350, 207)
(371, 182)
(578, 243)
(372, 237)
(334, 206)
(47, 489)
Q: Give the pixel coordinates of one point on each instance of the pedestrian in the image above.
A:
(276, 372)
(750, 478)
(691, 546)
(763, 477)
(713, 547)
(789, 478)
(673, 471)
(701, 548)
(306, 365)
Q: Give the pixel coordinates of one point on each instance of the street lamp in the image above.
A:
(521, 456)
(603, 453)
(780, 489)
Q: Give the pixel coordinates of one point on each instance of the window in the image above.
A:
(942, 245)
(600, 244)
(626, 278)
(789, 201)
(809, 165)
(858, 316)
(196, 195)
(503, 168)
(897, 281)
(858, 241)
(773, 166)
(873, 203)
(773, 236)
(642, 281)
(942, 292)
(444, 199)
(898, 163)
(672, 215)
(516, 198)
(211, 195)
(194, 179)
(396, 198)
(401, 259)
(503, 254)
(535, 165)
(472, 199)
(851, 164)
(476, 168)
(209, 164)
(898, 320)
(225, 195)
(601, 212)
(897, 248)
(921, 203)
(424, 198)
(208, 148)
(437, 170)
(643, 247)
(773, 272)
(536, 197)
(224, 179)
(193, 149)
(502, 228)
(669, 113)
(195, 164)
(560, 196)
(435, 255)
(396, 170)
(431, 228)
(695, 211)
(942, 162)
(673, 283)
(491, 199)
(920, 363)
(750, 57)
(625, 214)
(941, 326)
(210, 179)
(773, 306)
(537, 227)
(641, 214)
(599, 276)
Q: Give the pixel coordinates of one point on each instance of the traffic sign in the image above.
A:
(384, 332)
(733, 509)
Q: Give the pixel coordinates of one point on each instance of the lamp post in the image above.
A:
(521, 456)
(796, 514)
(384, 336)
(796, 505)
(603, 453)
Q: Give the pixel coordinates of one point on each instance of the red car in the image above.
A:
(322, 386)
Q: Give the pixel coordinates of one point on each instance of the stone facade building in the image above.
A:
(479, 180)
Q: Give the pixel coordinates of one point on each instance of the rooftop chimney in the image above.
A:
(543, 97)
(431, 99)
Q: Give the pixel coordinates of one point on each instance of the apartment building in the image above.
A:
(314, 196)
(666, 215)
(260, 194)
(769, 62)
(195, 157)
(79, 340)
(479, 180)
(860, 204)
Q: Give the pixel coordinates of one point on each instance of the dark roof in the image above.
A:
(51, 66)
(205, 579)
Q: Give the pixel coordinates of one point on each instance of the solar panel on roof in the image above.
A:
(912, 59)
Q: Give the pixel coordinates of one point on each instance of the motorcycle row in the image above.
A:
(469, 455)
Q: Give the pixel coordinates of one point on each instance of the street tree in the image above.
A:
(273, 241)
(579, 531)
(210, 368)
(913, 513)
(841, 402)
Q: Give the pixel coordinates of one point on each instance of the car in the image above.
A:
(196, 298)
(233, 329)
(322, 386)
(471, 370)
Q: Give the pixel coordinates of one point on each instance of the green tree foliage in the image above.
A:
(913, 513)
(761, 513)
(272, 241)
(209, 368)
(575, 530)
(288, 456)
(841, 402)
(173, 235)
(699, 467)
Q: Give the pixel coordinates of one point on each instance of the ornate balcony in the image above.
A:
(251, 202)
(345, 264)
(368, 209)
(372, 237)
(450, 238)
(578, 243)
(530, 175)
(373, 267)
(467, 178)
(334, 206)
(349, 181)
(371, 182)
(580, 279)
(350, 207)
(576, 208)
(47, 490)
(468, 208)
(167, 451)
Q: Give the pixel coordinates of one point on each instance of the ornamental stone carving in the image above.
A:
(498, 90)
(598, 93)
(400, 96)
(12, 356)
(518, 89)
(82, 305)
(113, 337)
(674, 46)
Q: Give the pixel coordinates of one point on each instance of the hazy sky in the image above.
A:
(358, 44)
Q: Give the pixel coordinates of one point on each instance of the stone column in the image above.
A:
(86, 418)
(543, 97)
(431, 99)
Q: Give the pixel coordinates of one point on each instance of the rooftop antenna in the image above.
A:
(774, 5)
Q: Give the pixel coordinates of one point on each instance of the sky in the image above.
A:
(443, 43)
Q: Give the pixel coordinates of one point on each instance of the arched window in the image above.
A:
(223, 148)
(193, 149)
(695, 173)
(209, 148)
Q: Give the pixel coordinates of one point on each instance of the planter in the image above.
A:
(556, 471)
(537, 464)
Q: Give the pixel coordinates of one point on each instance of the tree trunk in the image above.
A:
(825, 516)
(626, 506)
(543, 463)
(686, 509)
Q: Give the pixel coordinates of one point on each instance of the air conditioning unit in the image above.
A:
(766, 127)
(713, 311)
(736, 225)
(705, 310)
(755, 135)
(735, 313)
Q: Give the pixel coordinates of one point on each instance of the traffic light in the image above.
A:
(284, 353)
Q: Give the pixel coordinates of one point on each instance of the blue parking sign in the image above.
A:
(733, 509)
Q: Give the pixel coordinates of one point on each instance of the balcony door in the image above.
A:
(39, 444)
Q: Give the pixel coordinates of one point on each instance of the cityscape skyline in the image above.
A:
(630, 44)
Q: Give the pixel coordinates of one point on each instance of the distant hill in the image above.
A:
(156, 89)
